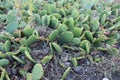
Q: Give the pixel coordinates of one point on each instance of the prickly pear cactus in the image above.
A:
(89, 36)
(45, 20)
(4, 62)
(37, 72)
(66, 37)
(53, 35)
(86, 45)
(28, 30)
(75, 29)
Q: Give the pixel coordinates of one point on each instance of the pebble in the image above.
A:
(79, 70)
(105, 79)
(14, 71)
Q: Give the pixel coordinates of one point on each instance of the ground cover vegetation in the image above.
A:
(51, 39)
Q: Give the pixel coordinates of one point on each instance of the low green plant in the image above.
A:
(77, 25)
(4, 62)
(37, 72)
(66, 37)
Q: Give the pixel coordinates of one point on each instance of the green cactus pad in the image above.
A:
(31, 40)
(69, 22)
(86, 27)
(75, 14)
(56, 47)
(103, 19)
(4, 62)
(76, 41)
(17, 34)
(7, 45)
(77, 31)
(85, 44)
(37, 72)
(53, 35)
(113, 51)
(58, 16)
(62, 12)
(98, 41)
(46, 59)
(66, 37)
(43, 12)
(38, 19)
(89, 36)
(95, 25)
(62, 27)
(54, 22)
(28, 30)
(45, 20)
(111, 41)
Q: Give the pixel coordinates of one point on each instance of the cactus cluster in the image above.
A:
(72, 26)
